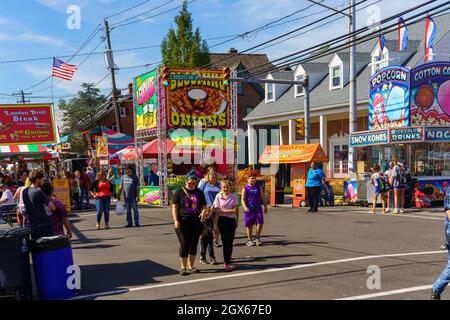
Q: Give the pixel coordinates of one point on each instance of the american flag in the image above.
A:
(63, 70)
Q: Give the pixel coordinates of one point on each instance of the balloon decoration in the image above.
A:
(425, 97)
(444, 97)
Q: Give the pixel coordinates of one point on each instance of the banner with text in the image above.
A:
(27, 124)
(430, 94)
(193, 103)
(389, 98)
(145, 88)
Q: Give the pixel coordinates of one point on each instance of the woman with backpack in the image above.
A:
(380, 186)
(397, 181)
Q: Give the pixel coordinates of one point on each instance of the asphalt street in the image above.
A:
(326, 255)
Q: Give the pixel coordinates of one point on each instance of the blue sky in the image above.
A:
(37, 28)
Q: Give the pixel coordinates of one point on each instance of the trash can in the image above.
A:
(52, 258)
(15, 277)
(279, 195)
(409, 192)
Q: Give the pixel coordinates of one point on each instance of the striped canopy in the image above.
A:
(31, 152)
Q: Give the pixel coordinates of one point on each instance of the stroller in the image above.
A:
(327, 198)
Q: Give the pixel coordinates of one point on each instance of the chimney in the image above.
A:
(232, 51)
(130, 88)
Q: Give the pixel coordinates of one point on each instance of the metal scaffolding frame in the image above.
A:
(162, 142)
(234, 122)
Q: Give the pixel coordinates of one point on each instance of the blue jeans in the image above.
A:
(84, 193)
(103, 205)
(132, 203)
(444, 278)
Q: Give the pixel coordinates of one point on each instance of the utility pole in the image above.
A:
(306, 108)
(21, 96)
(353, 113)
(110, 61)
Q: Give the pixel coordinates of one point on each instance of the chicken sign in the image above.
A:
(27, 124)
(389, 98)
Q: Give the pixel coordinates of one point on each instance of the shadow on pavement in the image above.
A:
(282, 243)
(116, 276)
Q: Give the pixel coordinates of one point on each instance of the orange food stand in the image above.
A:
(299, 156)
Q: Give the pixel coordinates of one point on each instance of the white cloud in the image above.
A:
(33, 37)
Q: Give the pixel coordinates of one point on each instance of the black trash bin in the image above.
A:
(409, 192)
(279, 195)
(15, 277)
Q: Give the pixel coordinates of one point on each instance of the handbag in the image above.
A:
(120, 209)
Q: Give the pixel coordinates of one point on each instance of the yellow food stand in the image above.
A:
(299, 156)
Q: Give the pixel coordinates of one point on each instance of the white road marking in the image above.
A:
(388, 293)
(251, 273)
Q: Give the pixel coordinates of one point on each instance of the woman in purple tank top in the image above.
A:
(252, 202)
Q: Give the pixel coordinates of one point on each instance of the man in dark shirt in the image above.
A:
(38, 207)
(130, 188)
(153, 178)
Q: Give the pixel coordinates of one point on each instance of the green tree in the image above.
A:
(79, 111)
(183, 47)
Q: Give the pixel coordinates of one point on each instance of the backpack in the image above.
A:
(382, 183)
(403, 175)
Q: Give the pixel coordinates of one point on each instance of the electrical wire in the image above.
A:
(122, 22)
(311, 50)
(128, 9)
(153, 16)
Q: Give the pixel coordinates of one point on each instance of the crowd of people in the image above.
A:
(205, 209)
(390, 184)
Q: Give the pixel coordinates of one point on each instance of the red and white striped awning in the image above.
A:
(28, 152)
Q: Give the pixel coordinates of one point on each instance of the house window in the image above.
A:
(336, 77)
(299, 88)
(379, 62)
(270, 92)
(123, 112)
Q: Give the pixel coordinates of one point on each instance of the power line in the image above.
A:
(312, 53)
(242, 35)
(123, 22)
(280, 36)
(128, 9)
(150, 17)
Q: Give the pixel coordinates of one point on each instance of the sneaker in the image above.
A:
(387, 210)
(402, 211)
(258, 242)
(435, 296)
(372, 212)
(395, 211)
(128, 226)
(444, 246)
(203, 261)
(228, 268)
(213, 261)
(137, 225)
(216, 244)
(250, 243)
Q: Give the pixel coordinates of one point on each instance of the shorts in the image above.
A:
(377, 190)
(253, 217)
(400, 187)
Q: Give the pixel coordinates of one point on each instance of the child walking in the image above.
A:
(226, 209)
(252, 200)
(379, 183)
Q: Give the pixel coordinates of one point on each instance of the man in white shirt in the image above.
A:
(7, 202)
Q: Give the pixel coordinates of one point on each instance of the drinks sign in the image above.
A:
(411, 134)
